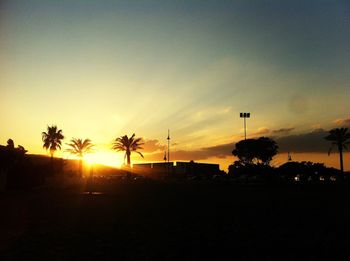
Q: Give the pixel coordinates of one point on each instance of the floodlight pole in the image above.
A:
(245, 115)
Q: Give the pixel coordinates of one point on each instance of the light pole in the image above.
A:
(245, 115)
(168, 138)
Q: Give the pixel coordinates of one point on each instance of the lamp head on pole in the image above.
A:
(244, 115)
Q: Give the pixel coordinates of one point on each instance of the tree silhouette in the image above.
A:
(12, 155)
(245, 151)
(260, 150)
(339, 137)
(306, 171)
(79, 148)
(52, 140)
(128, 145)
(10, 144)
(14, 166)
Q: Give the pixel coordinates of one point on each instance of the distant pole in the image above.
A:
(168, 138)
(245, 115)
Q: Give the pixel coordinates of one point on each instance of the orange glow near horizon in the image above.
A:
(105, 158)
(91, 69)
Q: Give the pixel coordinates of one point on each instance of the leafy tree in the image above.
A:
(245, 151)
(340, 138)
(79, 148)
(260, 150)
(128, 145)
(52, 140)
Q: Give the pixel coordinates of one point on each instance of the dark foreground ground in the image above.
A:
(173, 221)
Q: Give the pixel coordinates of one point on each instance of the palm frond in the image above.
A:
(124, 143)
(140, 154)
(52, 139)
(80, 147)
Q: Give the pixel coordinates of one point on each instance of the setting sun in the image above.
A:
(174, 129)
(105, 158)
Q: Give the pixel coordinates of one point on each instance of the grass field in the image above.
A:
(157, 220)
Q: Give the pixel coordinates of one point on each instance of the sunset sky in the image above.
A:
(102, 69)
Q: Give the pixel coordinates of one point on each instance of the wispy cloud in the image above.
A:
(283, 130)
(311, 141)
(151, 146)
(218, 151)
(262, 131)
(265, 131)
(342, 122)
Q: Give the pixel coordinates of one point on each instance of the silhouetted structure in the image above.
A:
(168, 138)
(245, 115)
(178, 169)
(307, 172)
(17, 170)
(251, 172)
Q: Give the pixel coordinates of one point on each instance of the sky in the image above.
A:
(103, 69)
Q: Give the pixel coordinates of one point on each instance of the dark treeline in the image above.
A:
(18, 170)
(254, 157)
(305, 172)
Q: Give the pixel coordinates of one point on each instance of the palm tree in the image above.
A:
(80, 147)
(52, 140)
(339, 137)
(128, 145)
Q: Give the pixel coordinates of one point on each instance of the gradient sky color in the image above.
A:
(102, 69)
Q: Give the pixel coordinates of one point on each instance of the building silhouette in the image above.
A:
(176, 169)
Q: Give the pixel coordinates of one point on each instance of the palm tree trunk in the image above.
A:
(341, 159)
(51, 162)
(128, 157)
(128, 175)
(80, 168)
(91, 178)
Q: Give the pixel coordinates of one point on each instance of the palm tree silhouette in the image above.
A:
(128, 145)
(339, 137)
(80, 147)
(52, 140)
